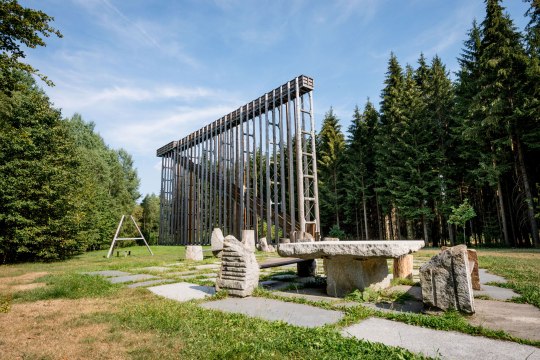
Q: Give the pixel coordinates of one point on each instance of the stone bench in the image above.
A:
(352, 265)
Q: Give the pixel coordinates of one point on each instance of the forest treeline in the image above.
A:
(62, 188)
(441, 160)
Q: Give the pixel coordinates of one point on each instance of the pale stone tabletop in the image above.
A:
(352, 265)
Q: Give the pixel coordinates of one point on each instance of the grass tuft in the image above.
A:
(5, 303)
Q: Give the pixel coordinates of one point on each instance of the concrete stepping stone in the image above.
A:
(182, 273)
(155, 268)
(275, 310)
(183, 291)
(521, 320)
(486, 277)
(130, 278)
(437, 343)
(149, 282)
(108, 273)
(495, 292)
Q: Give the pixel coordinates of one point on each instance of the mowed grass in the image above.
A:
(184, 330)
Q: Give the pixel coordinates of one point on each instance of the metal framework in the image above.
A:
(254, 168)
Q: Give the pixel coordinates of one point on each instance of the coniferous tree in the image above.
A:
(330, 153)
(360, 169)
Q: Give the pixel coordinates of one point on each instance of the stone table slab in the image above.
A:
(183, 291)
(108, 273)
(275, 310)
(437, 343)
(130, 278)
(355, 249)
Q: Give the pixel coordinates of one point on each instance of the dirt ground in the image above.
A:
(65, 329)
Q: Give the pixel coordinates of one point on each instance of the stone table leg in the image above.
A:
(344, 275)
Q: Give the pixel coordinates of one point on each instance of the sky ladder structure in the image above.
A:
(253, 169)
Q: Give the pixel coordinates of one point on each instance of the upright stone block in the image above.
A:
(403, 267)
(194, 252)
(446, 281)
(239, 273)
(216, 241)
(475, 276)
(263, 246)
(344, 275)
(248, 239)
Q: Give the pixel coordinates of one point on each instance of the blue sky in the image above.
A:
(149, 72)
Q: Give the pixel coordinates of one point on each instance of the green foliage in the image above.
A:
(69, 286)
(20, 26)
(336, 232)
(330, 155)
(150, 218)
(38, 180)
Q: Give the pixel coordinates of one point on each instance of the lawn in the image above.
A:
(55, 311)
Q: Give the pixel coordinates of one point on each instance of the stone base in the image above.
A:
(345, 274)
(403, 267)
(194, 252)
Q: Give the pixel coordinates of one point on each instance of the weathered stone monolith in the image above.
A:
(248, 239)
(239, 273)
(475, 276)
(216, 241)
(263, 246)
(194, 252)
(446, 281)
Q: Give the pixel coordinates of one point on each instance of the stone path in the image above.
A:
(183, 291)
(521, 320)
(275, 310)
(437, 343)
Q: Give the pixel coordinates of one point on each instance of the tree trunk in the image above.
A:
(379, 220)
(528, 194)
(424, 222)
(356, 220)
(502, 213)
(365, 215)
(451, 234)
(410, 229)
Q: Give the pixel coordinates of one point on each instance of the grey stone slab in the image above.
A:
(437, 343)
(108, 273)
(155, 268)
(149, 282)
(183, 291)
(182, 273)
(355, 249)
(175, 264)
(495, 292)
(130, 278)
(275, 310)
(486, 277)
(521, 320)
(314, 295)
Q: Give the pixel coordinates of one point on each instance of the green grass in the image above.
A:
(68, 286)
(521, 270)
(208, 334)
(184, 330)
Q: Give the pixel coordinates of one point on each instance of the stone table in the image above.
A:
(352, 265)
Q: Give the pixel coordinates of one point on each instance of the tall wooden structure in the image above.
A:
(254, 168)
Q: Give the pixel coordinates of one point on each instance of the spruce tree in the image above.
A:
(330, 153)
